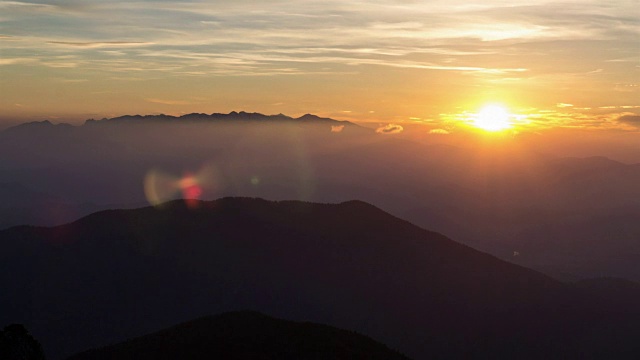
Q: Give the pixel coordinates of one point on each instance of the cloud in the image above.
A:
(630, 119)
(472, 44)
(337, 128)
(563, 105)
(390, 129)
(439, 132)
(311, 37)
(100, 44)
(70, 81)
(12, 61)
(7, 4)
(168, 102)
(387, 33)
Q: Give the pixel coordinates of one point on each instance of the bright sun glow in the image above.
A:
(492, 118)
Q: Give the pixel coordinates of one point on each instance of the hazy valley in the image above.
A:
(119, 274)
(571, 217)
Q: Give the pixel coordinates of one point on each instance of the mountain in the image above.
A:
(624, 292)
(22, 205)
(234, 116)
(51, 172)
(40, 127)
(246, 335)
(570, 217)
(119, 274)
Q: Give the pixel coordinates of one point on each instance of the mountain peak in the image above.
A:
(32, 124)
(37, 126)
(312, 117)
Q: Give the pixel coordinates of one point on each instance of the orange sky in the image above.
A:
(569, 64)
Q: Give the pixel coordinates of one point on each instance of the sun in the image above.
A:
(492, 118)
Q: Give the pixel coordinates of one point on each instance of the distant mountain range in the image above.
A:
(233, 116)
(246, 335)
(119, 274)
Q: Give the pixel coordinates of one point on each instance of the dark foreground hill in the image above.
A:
(17, 344)
(243, 336)
(119, 274)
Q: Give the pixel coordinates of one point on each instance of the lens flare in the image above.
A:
(160, 187)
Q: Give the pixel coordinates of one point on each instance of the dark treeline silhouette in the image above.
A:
(17, 344)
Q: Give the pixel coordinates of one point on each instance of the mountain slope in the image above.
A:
(501, 197)
(246, 335)
(118, 274)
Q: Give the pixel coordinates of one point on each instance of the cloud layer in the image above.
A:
(456, 45)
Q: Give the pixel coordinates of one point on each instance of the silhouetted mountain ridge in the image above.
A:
(118, 274)
(233, 117)
(37, 126)
(246, 335)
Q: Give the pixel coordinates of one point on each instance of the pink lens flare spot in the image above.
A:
(191, 190)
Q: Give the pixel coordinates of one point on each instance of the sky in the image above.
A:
(568, 64)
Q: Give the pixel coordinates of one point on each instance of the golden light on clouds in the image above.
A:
(109, 58)
(495, 117)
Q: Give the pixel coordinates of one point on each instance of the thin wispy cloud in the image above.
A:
(169, 102)
(18, 4)
(390, 129)
(93, 45)
(519, 44)
(13, 61)
(439, 132)
(398, 29)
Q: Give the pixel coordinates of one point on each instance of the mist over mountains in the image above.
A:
(119, 274)
(570, 217)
